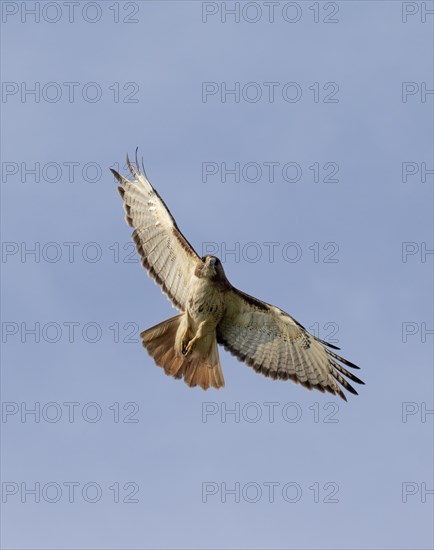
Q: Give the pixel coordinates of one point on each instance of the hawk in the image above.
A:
(214, 312)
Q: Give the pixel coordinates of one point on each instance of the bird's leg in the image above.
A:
(184, 346)
(183, 334)
(187, 347)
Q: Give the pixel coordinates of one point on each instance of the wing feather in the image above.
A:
(276, 345)
(165, 252)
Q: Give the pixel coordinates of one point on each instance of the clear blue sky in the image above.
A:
(333, 100)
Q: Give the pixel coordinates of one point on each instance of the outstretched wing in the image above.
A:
(166, 254)
(274, 344)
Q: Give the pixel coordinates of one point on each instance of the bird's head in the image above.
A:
(212, 268)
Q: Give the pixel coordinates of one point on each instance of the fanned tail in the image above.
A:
(199, 368)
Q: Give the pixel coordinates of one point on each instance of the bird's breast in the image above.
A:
(205, 300)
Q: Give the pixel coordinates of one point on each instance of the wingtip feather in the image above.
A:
(131, 168)
(137, 160)
(117, 175)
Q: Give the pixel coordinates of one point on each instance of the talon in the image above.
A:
(186, 347)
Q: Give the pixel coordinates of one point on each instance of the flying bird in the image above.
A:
(214, 312)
